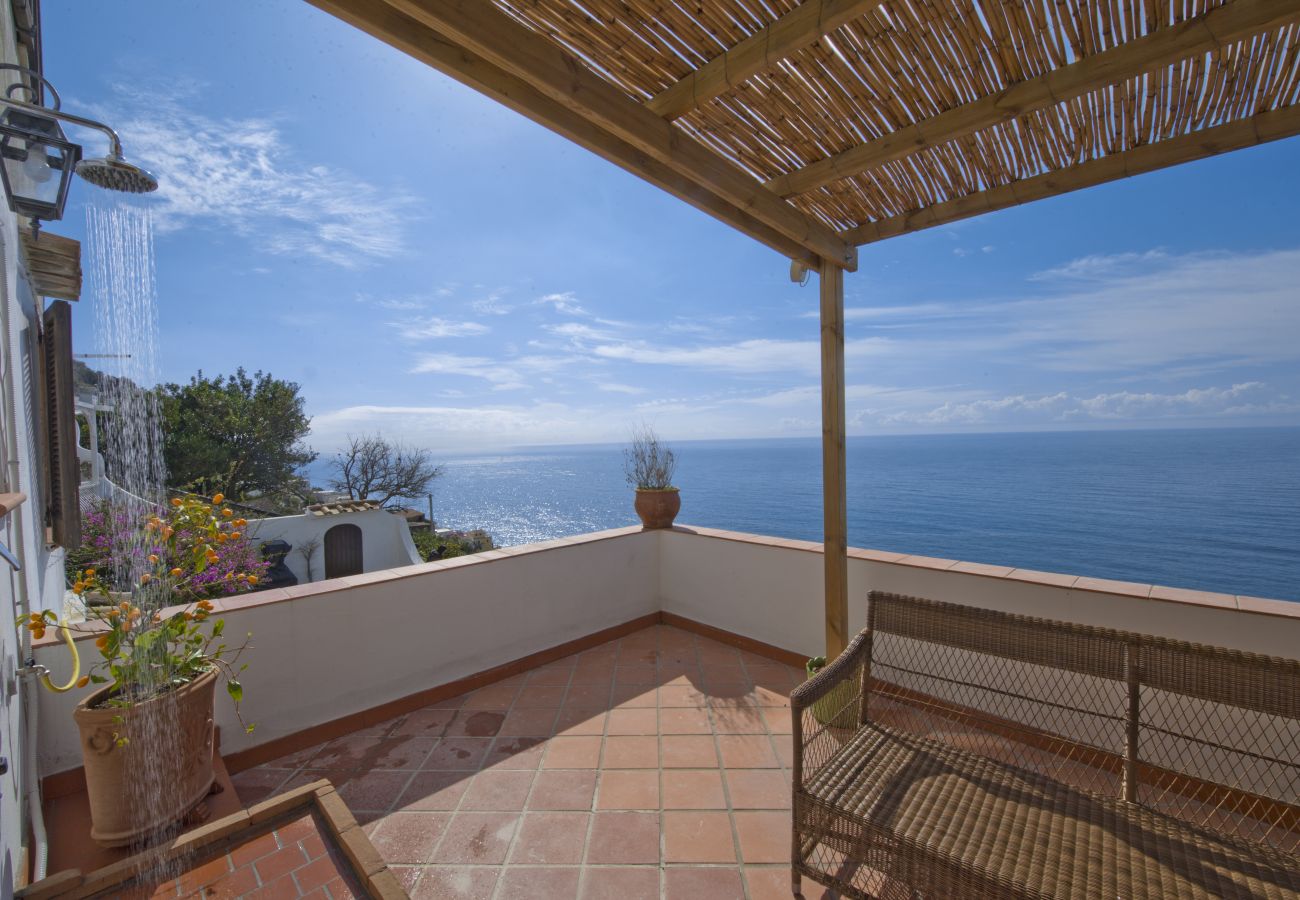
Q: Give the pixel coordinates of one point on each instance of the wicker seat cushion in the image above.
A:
(1032, 834)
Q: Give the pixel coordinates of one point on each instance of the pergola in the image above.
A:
(818, 126)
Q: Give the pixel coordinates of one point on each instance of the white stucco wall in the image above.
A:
(326, 650)
(347, 645)
(385, 540)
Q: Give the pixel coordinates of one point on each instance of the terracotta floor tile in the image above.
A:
(539, 696)
(515, 753)
(559, 789)
(638, 673)
(446, 882)
(498, 789)
(529, 723)
(628, 789)
(477, 838)
(688, 751)
(255, 785)
(698, 837)
(739, 720)
(712, 653)
(784, 744)
(251, 851)
(494, 696)
(720, 673)
(551, 839)
(684, 720)
(281, 862)
(581, 752)
(588, 696)
(347, 752)
(634, 696)
(632, 721)
(433, 791)
(406, 876)
(458, 753)
(427, 722)
(621, 883)
(746, 751)
(581, 720)
(539, 884)
(631, 752)
(765, 697)
(773, 883)
(693, 790)
(596, 672)
(556, 673)
(624, 838)
(682, 695)
(778, 720)
(409, 837)
(374, 790)
(758, 789)
(297, 758)
(764, 836)
(476, 723)
(714, 882)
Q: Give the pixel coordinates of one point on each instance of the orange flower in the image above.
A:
(126, 624)
(114, 613)
(153, 558)
(252, 579)
(83, 681)
(227, 512)
(39, 634)
(177, 572)
(124, 606)
(176, 501)
(217, 498)
(240, 523)
(187, 616)
(90, 573)
(221, 538)
(236, 535)
(146, 578)
(168, 532)
(204, 604)
(102, 641)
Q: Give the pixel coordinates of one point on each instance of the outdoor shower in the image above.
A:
(33, 148)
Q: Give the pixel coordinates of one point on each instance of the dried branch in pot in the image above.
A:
(649, 464)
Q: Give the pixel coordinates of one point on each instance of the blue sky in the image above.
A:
(430, 265)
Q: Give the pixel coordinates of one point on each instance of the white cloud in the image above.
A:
(1248, 399)
(758, 356)
(435, 327)
(490, 303)
(241, 174)
(613, 387)
(563, 302)
(516, 373)
(1098, 266)
(579, 333)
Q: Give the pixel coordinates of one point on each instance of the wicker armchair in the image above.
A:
(959, 752)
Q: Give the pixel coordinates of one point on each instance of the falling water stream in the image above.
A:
(121, 265)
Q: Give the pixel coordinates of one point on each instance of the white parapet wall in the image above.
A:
(769, 589)
(323, 651)
(330, 649)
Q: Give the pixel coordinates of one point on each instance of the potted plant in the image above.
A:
(649, 466)
(836, 703)
(146, 735)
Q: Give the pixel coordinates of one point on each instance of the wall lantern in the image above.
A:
(36, 159)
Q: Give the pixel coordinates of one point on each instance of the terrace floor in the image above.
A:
(653, 766)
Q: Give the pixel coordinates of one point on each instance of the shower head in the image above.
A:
(116, 174)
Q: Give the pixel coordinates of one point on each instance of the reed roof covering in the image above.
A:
(824, 121)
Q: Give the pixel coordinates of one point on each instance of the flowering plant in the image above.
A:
(164, 635)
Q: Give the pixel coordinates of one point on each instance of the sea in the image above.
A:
(1208, 509)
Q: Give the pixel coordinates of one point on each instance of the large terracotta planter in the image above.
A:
(657, 509)
(162, 773)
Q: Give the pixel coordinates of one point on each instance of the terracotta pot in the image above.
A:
(163, 771)
(657, 509)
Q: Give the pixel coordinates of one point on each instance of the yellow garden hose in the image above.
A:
(76, 663)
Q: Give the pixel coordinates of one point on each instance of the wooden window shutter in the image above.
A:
(63, 474)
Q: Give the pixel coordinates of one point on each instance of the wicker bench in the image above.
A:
(960, 752)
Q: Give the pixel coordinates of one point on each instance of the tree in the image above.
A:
(237, 435)
(374, 468)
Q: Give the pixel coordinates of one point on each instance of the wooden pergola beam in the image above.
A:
(1259, 129)
(401, 32)
(487, 34)
(835, 524)
(805, 24)
(1217, 28)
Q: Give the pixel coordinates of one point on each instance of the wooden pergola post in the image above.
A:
(834, 485)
